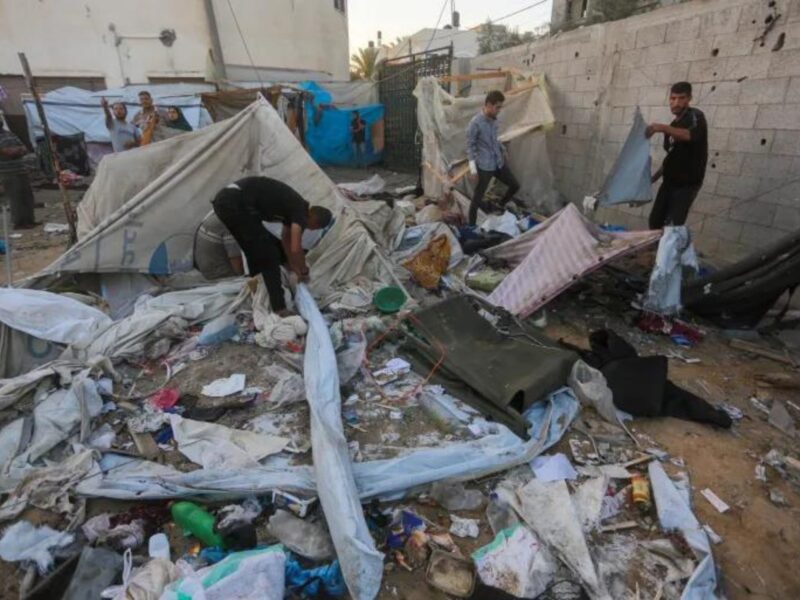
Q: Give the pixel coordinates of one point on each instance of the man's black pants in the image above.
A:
(262, 249)
(672, 204)
(503, 174)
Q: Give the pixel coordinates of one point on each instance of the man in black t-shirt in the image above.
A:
(686, 144)
(242, 206)
(358, 130)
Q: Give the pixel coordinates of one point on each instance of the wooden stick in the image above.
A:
(619, 526)
(68, 210)
(761, 351)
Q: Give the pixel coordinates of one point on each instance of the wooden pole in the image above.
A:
(68, 210)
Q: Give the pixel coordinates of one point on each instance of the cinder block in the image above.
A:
(621, 78)
(793, 91)
(735, 116)
(618, 116)
(577, 66)
(710, 69)
(753, 212)
(721, 228)
(793, 11)
(752, 18)
(711, 204)
(733, 44)
(787, 218)
(765, 91)
(661, 54)
(651, 35)
(757, 236)
(779, 116)
(585, 83)
(757, 141)
(781, 192)
(653, 96)
(786, 142)
(624, 97)
(786, 64)
(720, 21)
(631, 58)
(718, 138)
(751, 67)
(581, 116)
(757, 165)
(617, 133)
(562, 84)
(683, 30)
(737, 186)
(722, 92)
(698, 49)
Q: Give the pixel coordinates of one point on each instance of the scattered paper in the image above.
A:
(464, 527)
(56, 228)
(715, 500)
(554, 467)
(226, 386)
(392, 371)
(712, 535)
(761, 472)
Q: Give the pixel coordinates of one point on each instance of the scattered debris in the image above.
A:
(715, 501)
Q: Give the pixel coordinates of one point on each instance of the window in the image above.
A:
(340, 5)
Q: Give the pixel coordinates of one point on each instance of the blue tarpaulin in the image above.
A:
(629, 179)
(328, 136)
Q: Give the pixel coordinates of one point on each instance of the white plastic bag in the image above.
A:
(591, 388)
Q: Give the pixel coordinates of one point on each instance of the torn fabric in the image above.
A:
(553, 255)
(629, 180)
(675, 251)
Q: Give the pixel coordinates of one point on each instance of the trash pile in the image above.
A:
(412, 421)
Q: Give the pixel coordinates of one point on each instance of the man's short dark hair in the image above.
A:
(321, 215)
(495, 97)
(122, 104)
(144, 93)
(682, 87)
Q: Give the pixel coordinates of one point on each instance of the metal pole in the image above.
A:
(219, 59)
(7, 238)
(68, 211)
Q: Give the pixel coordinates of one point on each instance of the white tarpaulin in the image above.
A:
(72, 110)
(526, 115)
(141, 213)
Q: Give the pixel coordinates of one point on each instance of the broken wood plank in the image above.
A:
(145, 445)
(619, 526)
(779, 380)
(759, 350)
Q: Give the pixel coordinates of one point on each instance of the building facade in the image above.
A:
(96, 44)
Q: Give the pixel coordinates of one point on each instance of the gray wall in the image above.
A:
(750, 94)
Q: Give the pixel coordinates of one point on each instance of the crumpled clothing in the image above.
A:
(25, 541)
(122, 536)
(48, 488)
(428, 266)
(675, 251)
(273, 331)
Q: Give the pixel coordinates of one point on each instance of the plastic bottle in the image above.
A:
(499, 514)
(197, 521)
(640, 493)
(158, 546)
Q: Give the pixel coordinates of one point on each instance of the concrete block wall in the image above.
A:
(749, 91)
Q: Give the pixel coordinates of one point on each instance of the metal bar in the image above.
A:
(7, 238)
(434, 51)
(68, 210)
(219, 59)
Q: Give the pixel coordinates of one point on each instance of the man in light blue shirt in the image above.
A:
(124, 135)
(487, 157)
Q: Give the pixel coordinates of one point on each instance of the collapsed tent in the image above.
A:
(553, 255)
(141, 213)
(526, 116)
(741, 294)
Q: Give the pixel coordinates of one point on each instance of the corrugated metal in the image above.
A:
(555, 254)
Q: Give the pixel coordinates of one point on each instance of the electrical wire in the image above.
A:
(244, 42)
(511, 14)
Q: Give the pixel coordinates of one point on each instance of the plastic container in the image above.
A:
(197, 521)
(640, 493)
(499, 514)
(158, 546)
(454, 496)
(389, 300)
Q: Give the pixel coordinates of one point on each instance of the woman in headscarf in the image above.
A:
(176, 120)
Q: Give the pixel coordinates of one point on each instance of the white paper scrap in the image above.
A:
(715, 500)
(227, 386)
(554, 467)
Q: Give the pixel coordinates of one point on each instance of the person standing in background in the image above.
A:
(487, 156)
(124, 135)
(358, 131)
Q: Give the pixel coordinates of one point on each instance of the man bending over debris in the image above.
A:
(686, 143)
(242, 206)
(487, 156)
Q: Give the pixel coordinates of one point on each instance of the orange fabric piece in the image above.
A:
(428, 266)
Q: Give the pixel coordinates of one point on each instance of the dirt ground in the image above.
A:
(758, 557)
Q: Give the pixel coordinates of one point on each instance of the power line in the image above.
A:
(246, 47)
(436, 27)
(511, 14)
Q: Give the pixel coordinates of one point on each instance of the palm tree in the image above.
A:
(363, 64)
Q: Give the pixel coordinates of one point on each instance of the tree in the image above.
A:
(492, 38)
(363, 64)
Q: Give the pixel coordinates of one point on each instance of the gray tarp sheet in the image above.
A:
(629, 178)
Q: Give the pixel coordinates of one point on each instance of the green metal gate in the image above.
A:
(398, 78)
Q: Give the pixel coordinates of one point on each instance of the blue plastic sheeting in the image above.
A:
(71, 110)
(328, 136)
(674, 514)
(629, 179)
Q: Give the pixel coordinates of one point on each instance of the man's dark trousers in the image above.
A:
(503, 174)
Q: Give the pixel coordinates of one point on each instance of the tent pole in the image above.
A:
(9, 268)
(68, 210)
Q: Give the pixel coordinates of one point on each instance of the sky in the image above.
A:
(398, 18)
